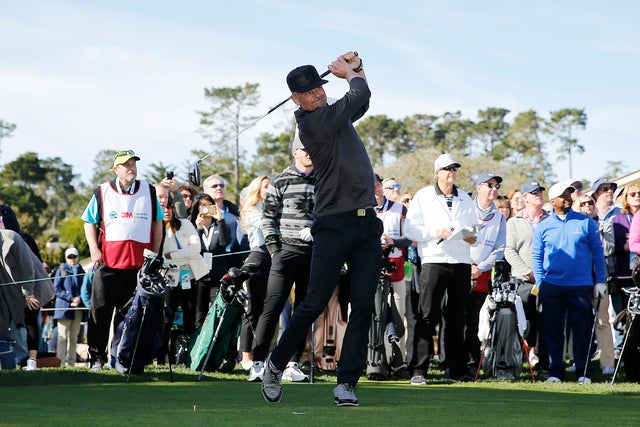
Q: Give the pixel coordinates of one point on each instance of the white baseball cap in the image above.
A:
(556, 190)
(445, 160)
(70, 251)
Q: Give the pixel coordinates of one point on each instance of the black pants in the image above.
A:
(32, 324)
(257, 284)
(435, 281)
(338, 239)
(205, 294)
(175, 297)
(112, 289)
(287, 268)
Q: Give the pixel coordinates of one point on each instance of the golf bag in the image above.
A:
(627, 323)
(210, 343)
(387, 327)
(329, 328)
(139, 336)
(502, 324)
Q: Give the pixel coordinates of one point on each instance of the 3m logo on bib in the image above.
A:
(128, 215)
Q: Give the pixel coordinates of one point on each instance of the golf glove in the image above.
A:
(305, 234)
(600, 290)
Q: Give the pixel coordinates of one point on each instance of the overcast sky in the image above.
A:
(77, 77)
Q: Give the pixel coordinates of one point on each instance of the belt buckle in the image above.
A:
(361, 212)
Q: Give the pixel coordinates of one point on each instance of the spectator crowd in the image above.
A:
(572, 256)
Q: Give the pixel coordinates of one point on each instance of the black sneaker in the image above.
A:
(344, 396)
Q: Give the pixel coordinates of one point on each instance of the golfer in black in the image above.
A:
(345, 228)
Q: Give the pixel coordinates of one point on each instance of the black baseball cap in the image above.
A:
(304, 78)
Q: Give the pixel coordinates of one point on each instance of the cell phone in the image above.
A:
(208, 210)
(169, 175)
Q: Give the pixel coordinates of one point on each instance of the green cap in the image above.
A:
(123, 157)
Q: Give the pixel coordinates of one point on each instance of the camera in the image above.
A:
(208, 210)
(169, 174)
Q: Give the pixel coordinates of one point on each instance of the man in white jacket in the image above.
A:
(441, 220)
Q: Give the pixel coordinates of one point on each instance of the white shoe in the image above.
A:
(344, 396)
(31, 365)
(292, 373)
(584, 380)
(608, 370)
(553, 380)
(256, 372)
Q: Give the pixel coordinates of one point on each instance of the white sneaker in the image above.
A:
(292, 373)
(584, 380)
(608, 370)
(31, 365)
(553, 380)
(256, 372)
(344, 396)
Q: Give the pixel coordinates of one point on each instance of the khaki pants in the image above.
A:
(68, 339)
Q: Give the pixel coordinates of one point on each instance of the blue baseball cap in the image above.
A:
(486, 176)
(602, 181)
(530, 186)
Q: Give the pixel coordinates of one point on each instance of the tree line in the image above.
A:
(49, 197)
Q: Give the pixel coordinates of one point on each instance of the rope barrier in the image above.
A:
(82, 274)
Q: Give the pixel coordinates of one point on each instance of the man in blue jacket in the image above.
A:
(567, 260)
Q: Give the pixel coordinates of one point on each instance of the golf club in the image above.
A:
(593, 332)
(195, 175)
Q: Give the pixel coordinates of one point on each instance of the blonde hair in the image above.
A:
(625, 204)
(251, 200)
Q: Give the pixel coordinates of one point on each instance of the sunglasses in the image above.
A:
(216, 186)
(187, 196)
(578, 187)
(72, 257)
(393, 187)
(587, 203)
(491, 185)
(605, 188)
(451, 168)
(633, 193)
(536, 192)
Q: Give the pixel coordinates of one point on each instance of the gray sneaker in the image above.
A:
(344, 396)
(271, 384)
(96, 365)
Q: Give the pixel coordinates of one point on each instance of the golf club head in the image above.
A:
(195, 176)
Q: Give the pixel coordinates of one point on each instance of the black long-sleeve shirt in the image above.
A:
(344, 176)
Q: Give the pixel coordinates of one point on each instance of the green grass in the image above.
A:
(79, 397)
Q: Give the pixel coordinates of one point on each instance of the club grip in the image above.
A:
(326, 73)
